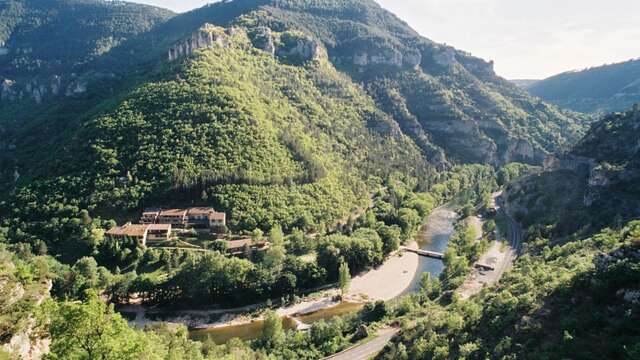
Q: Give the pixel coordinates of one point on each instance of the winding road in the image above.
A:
(369, 349)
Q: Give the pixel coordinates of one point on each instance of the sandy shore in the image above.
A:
(388, 281)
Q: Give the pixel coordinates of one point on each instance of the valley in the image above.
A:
(302, 179)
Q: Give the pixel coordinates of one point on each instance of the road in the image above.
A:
(367, 350)
(514, 233)
(499, 256)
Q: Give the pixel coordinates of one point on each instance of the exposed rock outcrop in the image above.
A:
(298, 47)
(38, 90)
(573, 163)
(445, 57)
(290, 46)
(388, 56)
(263, 39)
(207, 36)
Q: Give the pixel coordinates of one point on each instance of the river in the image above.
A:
(433, 236)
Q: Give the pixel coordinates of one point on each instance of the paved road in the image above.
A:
(367, 350)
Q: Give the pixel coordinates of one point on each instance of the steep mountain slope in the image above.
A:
(268, 142)
(48, 52)
(452, 104)
(597, 90)
(593, 185)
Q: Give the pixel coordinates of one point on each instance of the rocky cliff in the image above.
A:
(292, 46)
(596, 182)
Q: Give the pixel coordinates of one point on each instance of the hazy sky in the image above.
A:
(527, 39)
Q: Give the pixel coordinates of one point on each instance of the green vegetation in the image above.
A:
(573, 293)
(462, 252)
(344, 278)
(334, 147)
(63, 35)
(594, 185)
(561, 301)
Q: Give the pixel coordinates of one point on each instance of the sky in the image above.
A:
(527, 39)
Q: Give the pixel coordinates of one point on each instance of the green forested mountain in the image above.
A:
(451, 103)
(41, 38)
(598, 90)
(329, 124)
(48, 50)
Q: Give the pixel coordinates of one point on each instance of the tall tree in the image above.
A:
(272, 332)
(344, 278)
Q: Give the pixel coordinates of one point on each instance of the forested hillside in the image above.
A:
(44, 42)
(597, 90)
(326, 131)
(450, 103)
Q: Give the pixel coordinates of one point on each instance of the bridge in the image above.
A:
(440, 256)
(425, 253)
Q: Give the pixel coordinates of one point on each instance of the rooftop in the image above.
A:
(173, 212)
(200, 211)
(159, 227)
(133, 230)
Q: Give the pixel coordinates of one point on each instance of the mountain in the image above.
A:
(278, 112)
(471, 115)
(595, 90)
(592, 186)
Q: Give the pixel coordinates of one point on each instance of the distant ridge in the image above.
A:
(602, 89)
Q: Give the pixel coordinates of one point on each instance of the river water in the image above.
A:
(433, 236)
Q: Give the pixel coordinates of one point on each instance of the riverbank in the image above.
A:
(390, 280)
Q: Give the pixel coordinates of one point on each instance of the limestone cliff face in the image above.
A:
(298, 47)
(207, 36)
(292, 46)
(27, 344)
(40, 89)
(386, 56)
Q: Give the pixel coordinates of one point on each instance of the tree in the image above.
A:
(390, 236)
(344, 278)
(274, 258)
(92, 330)
(272, 331)
(256, 235)
(276, 237)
